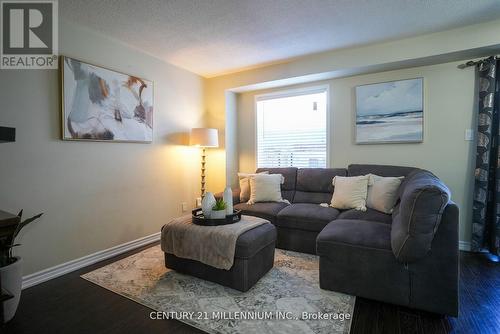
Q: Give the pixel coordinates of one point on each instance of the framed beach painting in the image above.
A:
(104, 105)
(390, 112)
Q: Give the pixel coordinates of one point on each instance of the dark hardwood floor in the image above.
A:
(479, 306)
(72, 305)
(69, 304)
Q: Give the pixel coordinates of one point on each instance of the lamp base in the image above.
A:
(203, 162)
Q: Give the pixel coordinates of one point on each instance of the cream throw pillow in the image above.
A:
(244, 179)
(350, 192)
(383, 192)
(266, 188)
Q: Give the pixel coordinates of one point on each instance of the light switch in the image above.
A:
(469, 134)
(184, 206)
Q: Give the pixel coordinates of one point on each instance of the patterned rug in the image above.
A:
(286, 300)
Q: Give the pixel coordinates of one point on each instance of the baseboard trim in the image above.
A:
(464, 245)
(67, 267)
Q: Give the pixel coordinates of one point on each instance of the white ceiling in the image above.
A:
(212, 37)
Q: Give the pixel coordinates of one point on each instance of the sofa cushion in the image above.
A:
(383, 192)
(265, 188)
(369, 214)
(358, 233)
(290, 175)
(244, 179)
(314, 185)
(350, 192)
(381, 170)
(266, 210)
(306, 216)
(416, 219)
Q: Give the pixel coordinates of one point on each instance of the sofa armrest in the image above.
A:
(437, 290)
(417, 218)
(236, 195)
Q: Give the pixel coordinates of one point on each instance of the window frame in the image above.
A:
(289, 93)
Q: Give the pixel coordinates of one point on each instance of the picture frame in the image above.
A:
(390, 112)
(104, 105)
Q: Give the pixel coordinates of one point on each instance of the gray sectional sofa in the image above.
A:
(409, 258)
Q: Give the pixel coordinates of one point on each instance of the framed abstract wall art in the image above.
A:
(390, 112)
(103, 105)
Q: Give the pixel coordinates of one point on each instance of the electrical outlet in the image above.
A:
(469, 134)
(184, 206)
(198, 201)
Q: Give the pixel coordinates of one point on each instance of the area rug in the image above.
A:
(286, 300)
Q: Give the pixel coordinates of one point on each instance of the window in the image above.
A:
(292, 129)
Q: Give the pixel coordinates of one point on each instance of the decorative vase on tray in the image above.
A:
(207, 204)
(228, 199)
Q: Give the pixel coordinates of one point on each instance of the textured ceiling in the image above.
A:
(212, 37)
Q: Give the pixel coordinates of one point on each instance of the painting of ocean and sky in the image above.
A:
(390, 112)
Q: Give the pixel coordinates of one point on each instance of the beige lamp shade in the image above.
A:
(204, 137)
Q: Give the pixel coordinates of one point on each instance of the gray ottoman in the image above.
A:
(254, 257)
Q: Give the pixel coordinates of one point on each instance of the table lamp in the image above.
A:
(204, 138)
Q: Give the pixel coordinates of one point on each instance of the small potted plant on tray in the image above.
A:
(219, 210)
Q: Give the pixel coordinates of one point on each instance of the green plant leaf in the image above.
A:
(24, 223)
(7, 243)
(219, 205)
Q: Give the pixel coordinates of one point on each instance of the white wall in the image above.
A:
(95, 195)
(448, 110)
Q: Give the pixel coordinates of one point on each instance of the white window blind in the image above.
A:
(292, 129)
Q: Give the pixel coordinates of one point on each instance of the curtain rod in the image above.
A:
(474, 63)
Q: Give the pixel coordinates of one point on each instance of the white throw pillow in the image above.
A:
(266, 188)
(350, 192)
(244, 179)
(383, 192)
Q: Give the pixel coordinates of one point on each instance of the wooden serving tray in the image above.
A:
(199, 219)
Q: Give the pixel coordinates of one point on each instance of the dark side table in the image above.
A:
(8, 223)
